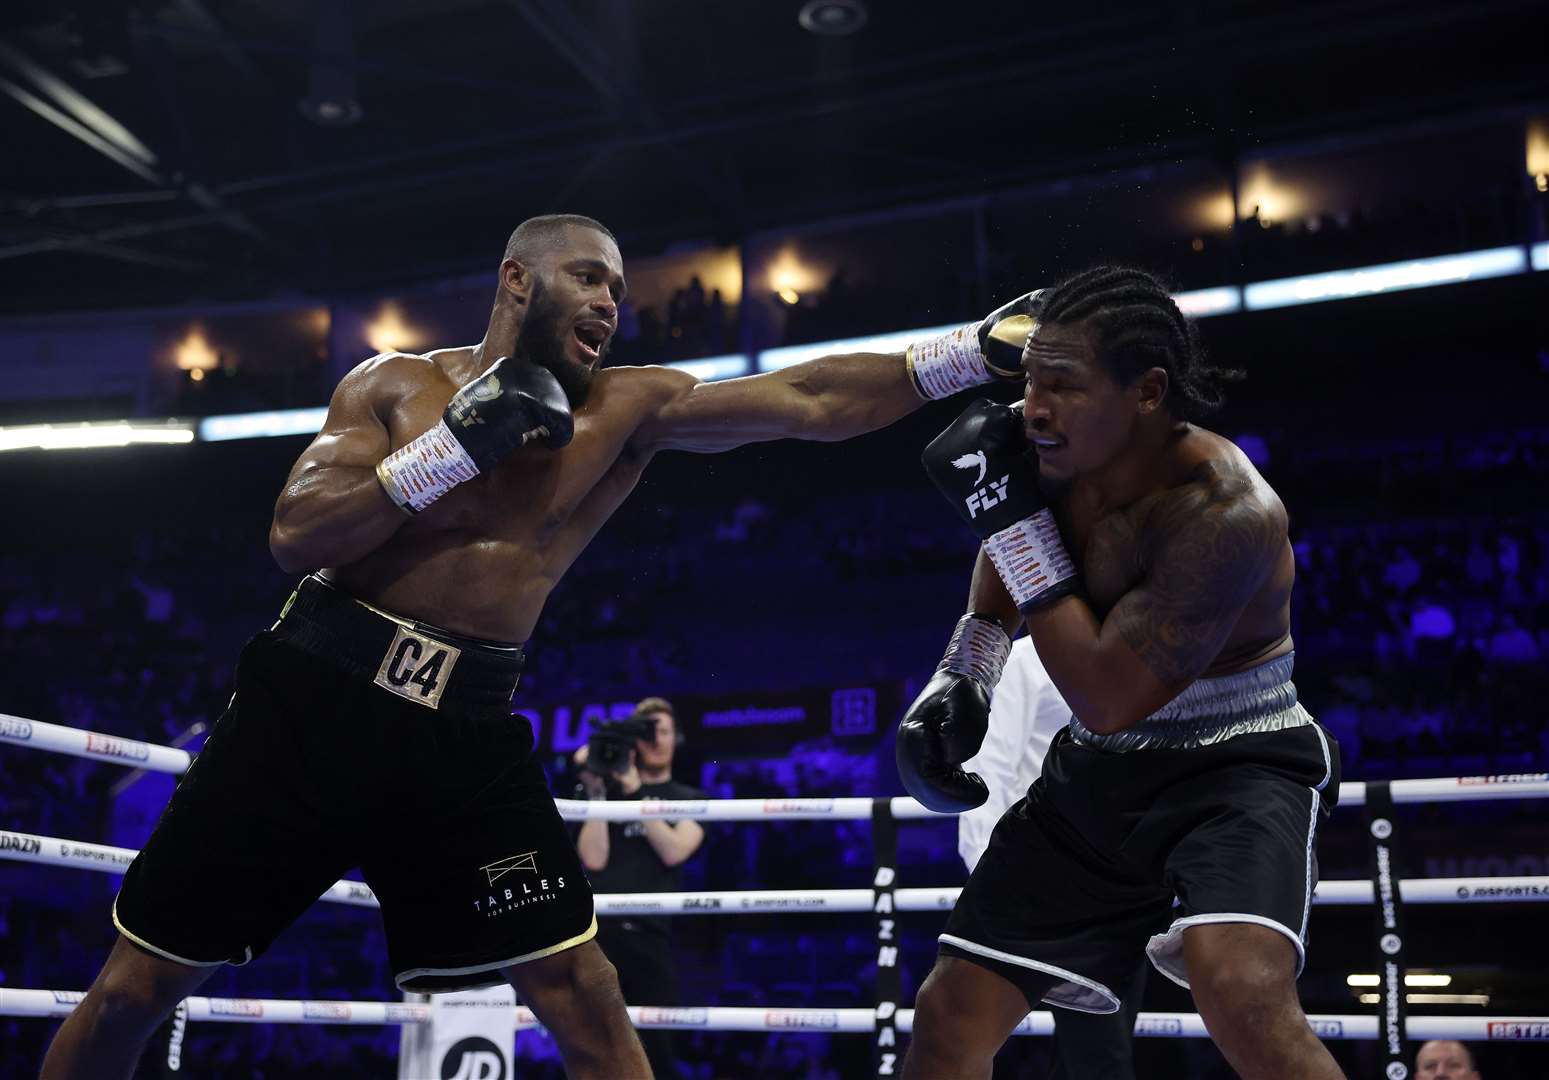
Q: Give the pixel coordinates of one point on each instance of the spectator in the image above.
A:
(1444, 1059)
(1403, 573)
(1511, 644)
(1479, 566)
(639, 856)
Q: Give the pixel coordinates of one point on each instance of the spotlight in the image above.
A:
(331, 100)
(832, 18)
(195, 353)
(327, 111)
(390, 332)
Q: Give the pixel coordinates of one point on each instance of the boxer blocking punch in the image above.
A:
(1177, 812)
(1026, 713)
(444, 498)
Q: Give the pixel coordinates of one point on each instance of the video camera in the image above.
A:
(610, 745)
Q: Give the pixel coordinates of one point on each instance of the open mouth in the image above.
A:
(591, 336)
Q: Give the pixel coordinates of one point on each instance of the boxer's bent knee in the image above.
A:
(962, 1015)
(576, 995)
(136, 990)
(133, 993)
(1238, 966)
(1243, 978)
(582, 973)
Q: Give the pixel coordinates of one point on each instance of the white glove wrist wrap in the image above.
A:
(421, 471)
(941, 366)
(1030, 558)
(978, 648)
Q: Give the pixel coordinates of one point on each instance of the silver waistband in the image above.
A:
(1211, 711)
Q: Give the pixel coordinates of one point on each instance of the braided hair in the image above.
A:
(1135, 325)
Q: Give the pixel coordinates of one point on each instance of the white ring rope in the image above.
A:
(234, 1010)
(93, 745)
(53, 851)
(111, 748)
(26, 847)
(53, 1003)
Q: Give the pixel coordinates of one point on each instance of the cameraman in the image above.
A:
(632, 759)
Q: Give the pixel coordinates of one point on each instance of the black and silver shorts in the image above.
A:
(1206, 812)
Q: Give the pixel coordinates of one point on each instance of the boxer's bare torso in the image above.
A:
(483, 560)
(1207, 484)
(1183, 550)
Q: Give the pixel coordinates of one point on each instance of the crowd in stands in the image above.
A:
(695, 323)
(1404, 229)
(232, 389)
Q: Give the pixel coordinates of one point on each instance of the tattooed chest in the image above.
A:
(1108, 551)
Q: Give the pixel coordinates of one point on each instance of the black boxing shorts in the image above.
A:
(1205, 812)
(356, 739)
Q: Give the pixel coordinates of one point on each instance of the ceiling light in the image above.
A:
(1433, 999)
(90, 436)
(1412, 978)
(832, 18)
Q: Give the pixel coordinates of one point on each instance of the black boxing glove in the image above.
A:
(947, 723)
(512, 403)
(976, 353)
(981, 464)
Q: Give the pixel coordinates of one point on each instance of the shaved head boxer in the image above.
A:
(1175, 816)
(444, 498)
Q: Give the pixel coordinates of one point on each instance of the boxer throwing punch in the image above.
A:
(444, 498)
(1176, 814)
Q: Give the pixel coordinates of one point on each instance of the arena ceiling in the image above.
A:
(163, 151)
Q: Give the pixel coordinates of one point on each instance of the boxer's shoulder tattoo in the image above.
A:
(1205, 548)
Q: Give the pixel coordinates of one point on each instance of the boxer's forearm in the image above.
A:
(987, 595)
(331, 516)
(1066, 635)
(852, 394)
(592, 845)
(1107, 686)
(824, 400)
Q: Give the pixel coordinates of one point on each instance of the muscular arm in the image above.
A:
(825, 400)
(1205, 555)
(332, 510)
(987, 595)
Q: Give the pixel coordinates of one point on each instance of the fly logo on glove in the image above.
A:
(1010, 514)
(985, 498)
(969, 461)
